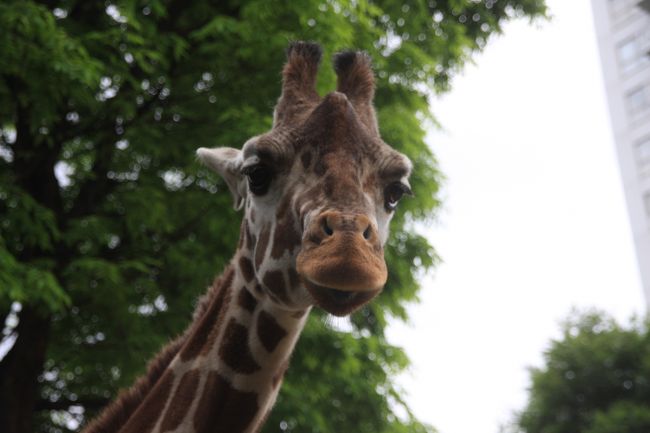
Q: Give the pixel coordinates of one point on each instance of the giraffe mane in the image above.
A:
(117, 413)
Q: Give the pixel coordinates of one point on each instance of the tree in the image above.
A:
(595, 380)
(110, 229)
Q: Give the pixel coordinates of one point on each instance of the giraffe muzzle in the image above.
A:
(342, 262)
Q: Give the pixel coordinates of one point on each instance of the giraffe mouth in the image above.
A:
(339, 302)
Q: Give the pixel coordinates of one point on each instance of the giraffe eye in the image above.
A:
(393, 193)
(259, 178)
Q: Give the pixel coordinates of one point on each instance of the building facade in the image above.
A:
(623, 32)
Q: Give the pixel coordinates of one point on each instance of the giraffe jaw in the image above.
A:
(339, 302)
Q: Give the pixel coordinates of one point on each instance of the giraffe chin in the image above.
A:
(338, 302)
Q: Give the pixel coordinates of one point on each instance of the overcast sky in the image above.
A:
(534, 222)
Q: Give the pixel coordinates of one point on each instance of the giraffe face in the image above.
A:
(318, 194)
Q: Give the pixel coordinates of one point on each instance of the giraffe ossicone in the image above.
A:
(318, 191)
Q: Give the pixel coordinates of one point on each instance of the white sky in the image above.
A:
(534, 222)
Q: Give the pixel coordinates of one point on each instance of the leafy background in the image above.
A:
(595, 379)
(109, 229)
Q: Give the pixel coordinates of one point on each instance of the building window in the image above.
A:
(628, 54)
(618, 7)
(645, 5)
(643, 151)
(637, 100)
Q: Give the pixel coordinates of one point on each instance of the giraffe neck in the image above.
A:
(228, 372)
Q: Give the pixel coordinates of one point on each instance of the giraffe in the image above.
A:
(318, 192)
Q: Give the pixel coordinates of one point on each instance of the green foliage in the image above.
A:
(345, 399)
(596, 380)
(622, 417)
(25, 224)
(109, 227)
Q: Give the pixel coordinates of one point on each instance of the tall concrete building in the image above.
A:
(623, 32)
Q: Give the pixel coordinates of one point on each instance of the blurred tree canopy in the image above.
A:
(596, 379)
(109, 228)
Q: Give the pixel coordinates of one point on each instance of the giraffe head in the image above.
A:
(318, 190)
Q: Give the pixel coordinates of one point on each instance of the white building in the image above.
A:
(623, 31)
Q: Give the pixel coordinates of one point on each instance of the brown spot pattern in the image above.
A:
(260, 248)
(285, 238)
(306, 159)
(329, 186)
(203, 336)
(246, 268)
(234, 349)
(181, 401)
(274, 281)
(145, 417)
(371, 184)
(223, 409)
(284, 206)
(246, 300)
(269, 331)
(320, 168)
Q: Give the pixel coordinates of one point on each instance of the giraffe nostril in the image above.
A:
(326, 228)
(367, 232)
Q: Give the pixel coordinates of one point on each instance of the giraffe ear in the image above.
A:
(227, 162)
